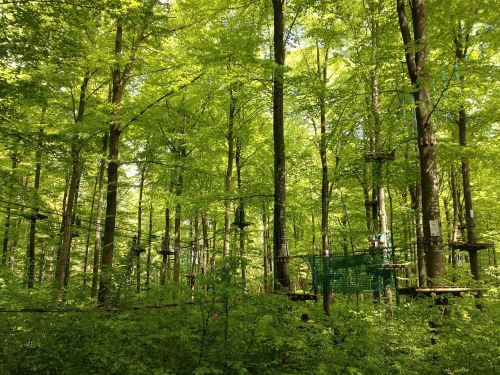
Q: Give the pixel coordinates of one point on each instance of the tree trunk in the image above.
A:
(6, 232)
(416, 195)
(120, 79)
(150, 243)
(177, 230)
(461, 55)
(139, 235)
(322, 72)
(206, 254)
(166, 247)
(416, 61)
(281, 269)
(229, 173)
(241, 211)
(98, 215)
(265, 245)
(32, 234)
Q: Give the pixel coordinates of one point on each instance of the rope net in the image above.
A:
(364, 272)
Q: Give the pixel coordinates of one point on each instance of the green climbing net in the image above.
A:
(364, 272)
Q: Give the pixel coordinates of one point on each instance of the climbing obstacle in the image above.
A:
(372, 271)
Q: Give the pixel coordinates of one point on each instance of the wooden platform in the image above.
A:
(302, 297)
(456, 291)
(388, 266)
(470, 246)
(380, 156)
(166, 252)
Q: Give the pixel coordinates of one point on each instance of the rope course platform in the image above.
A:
(470, 246)
(302, 297)
(439, 290)
(380, 156)
(352, 273)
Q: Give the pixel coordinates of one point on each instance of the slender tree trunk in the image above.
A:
(265, 245)
(98, 215)
(6, 232)
(89, 233)
(32, 235)
(177, 231)
(139, 235)
(416, 195)
(241, 210)
(67, 219)
(206, 244)
(461, 55)
(322, 72)
(194, 249)
(166, 247)
(150, 243)
(229, 173)
(68, 215)
(416, 64)
(281, 269)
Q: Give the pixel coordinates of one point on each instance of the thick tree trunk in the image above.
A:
(281, 269)
(416, 61)
(120, 79)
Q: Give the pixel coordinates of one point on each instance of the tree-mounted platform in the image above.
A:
(37, 216)
(242, 224)
(239, 219)
(439, 290)
(302, 297)
(166, 252)
(138, 250)
(380, 156)
(388, 266)
(470, 246)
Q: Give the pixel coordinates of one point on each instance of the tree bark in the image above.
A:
(415, 61)
(32, 234)
(98, 215)
(241, 210)
(461, 54)
(68, 214)
(177, 230)
(229, 173)
(204, 220)
(139, 235)
(150, 243)
(166, 247)
(281, 269)
(120, 79)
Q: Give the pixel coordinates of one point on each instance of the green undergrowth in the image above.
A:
(227, 332)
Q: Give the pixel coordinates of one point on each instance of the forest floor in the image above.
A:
(230, 333)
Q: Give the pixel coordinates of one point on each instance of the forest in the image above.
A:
(249, 187)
